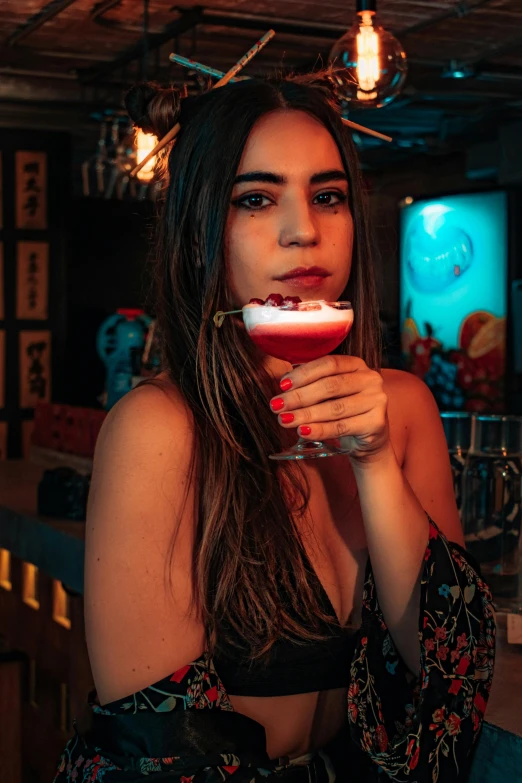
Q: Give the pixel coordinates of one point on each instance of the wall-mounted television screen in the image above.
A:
(454, 291)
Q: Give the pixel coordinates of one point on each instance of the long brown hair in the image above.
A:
(248, 549)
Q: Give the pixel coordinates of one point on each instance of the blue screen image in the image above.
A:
(453, 274)
(454, 261)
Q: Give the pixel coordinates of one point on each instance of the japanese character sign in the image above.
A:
(31, 190)
(35, 368)
(32, 280)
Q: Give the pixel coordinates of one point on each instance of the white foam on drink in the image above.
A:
(254, 314)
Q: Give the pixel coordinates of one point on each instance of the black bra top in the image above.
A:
(292, 668)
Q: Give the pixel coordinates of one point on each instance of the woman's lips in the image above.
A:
(304, 281)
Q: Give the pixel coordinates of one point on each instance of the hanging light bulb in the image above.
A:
(370, 63)
(145, 142)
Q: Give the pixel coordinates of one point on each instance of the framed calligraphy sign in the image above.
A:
(32, 280)
(31, 189)
(35, 368)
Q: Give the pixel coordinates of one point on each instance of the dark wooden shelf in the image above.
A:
(55, 546)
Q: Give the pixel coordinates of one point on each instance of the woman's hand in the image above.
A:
(336, 397)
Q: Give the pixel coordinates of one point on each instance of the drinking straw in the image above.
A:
(173, 132)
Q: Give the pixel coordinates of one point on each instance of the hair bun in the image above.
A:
(153, 108)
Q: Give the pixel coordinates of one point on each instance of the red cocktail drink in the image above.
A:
(297, 332)
(299, 343)
(301, 333)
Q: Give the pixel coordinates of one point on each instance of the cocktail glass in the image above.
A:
(297, 334)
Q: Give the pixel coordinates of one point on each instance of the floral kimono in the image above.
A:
(183, 729)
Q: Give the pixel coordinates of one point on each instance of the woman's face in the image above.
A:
(289, 209)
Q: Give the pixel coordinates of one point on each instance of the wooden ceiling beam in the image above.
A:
(495, 51)
(458, 10)
(182, 25)
(102, 8)
(38, 19)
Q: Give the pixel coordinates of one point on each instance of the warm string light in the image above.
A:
(145, 142)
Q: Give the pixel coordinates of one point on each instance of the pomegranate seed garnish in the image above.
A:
(274, 300)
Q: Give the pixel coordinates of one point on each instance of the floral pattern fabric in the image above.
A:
(414, 729)
(423, 729)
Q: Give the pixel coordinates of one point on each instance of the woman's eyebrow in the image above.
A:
(261, 176)
(332, 175)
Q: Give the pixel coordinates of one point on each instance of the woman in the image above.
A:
(250, 618)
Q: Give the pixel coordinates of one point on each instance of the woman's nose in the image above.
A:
(298, 226)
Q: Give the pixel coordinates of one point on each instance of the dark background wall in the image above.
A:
(109, 245)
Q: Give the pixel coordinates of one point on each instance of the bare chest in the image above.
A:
(333, 532)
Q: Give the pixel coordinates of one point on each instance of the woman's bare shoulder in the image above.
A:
(414, 415)
(408, 397)
(397, 379)
(403, 388)
(137, 621)
(394, 386)
(151, 408)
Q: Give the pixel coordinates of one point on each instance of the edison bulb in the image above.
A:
(145, 142)
(370, 64)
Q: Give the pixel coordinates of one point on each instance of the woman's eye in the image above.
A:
(258, 201)
(253, 201)
(330, 199)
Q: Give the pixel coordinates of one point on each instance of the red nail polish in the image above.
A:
(304, 430)
(287, 418)
(278, 404)
(285, 384)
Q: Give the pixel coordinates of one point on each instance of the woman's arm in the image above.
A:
(397, 533)
(394, 502)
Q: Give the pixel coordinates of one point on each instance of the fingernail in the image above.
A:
(287, 418)
(285, 384)
(278, 404)
(304, 430)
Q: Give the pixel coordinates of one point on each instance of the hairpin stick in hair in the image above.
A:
(246, 59)
(173, 132)
(364, 129)
(206, 69)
